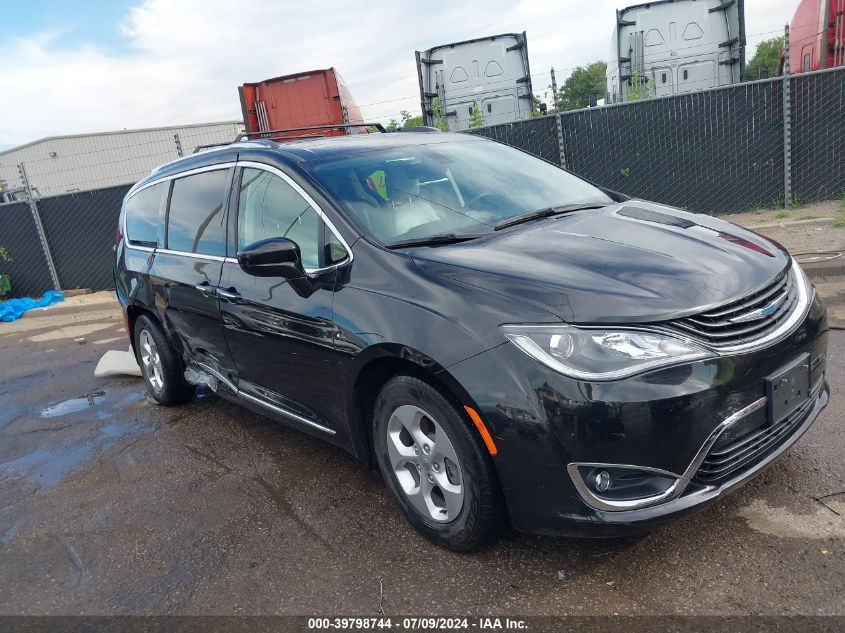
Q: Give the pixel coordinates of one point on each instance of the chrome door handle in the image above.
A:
(206, 289)
(228, 295)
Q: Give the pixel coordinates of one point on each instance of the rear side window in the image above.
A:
(195, 222)
(269, 207)
(143, 215)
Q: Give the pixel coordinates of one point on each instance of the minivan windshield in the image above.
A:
(455, 189)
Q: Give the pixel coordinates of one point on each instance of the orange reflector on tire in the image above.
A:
(485, 434)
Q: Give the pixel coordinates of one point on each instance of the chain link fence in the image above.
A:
(818, 135)
(27, 268)
(715, 151)
(80, 226)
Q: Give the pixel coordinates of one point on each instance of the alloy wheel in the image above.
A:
(425, 463)
(151, 361)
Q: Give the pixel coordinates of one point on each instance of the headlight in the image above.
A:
(601, 354)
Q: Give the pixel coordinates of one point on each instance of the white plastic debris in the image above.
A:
(200, 379)
(115, 363)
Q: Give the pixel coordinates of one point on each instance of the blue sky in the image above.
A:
(80, 66)
(78, 21)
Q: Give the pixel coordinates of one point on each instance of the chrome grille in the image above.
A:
(746, 319)
(728, 459)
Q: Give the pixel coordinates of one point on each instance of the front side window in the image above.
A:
(195, 222)
(144, 212)
(269, 207)
(456, 187)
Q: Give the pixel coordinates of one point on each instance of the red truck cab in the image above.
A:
(303, 100)
(817, 36)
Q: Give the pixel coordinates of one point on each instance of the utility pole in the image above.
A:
(787, 125)
(554, 88)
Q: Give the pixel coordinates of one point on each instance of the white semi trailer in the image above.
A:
(490, 72)
(668, 47)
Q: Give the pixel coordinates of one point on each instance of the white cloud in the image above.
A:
(184, 59)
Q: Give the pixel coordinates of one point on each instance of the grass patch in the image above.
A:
(840, 223)
(782, 214)
(808, 217)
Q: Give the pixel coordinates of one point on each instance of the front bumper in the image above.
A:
(665, 420)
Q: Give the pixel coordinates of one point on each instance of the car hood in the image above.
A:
(632, 262)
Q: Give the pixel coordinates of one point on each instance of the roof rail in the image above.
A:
(272, 135)
(328, 126)
(418, 128)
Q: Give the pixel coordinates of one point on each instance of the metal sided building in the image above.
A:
(80, 162)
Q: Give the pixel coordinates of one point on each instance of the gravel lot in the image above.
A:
(110, 504)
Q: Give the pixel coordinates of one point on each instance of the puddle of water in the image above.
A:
(51, 461)
(74, 405)
(48, 465)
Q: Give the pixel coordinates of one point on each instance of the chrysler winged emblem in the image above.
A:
(759, 313)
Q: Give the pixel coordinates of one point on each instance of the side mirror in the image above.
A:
(274, 257)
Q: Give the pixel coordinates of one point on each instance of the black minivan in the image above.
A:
(508, 343)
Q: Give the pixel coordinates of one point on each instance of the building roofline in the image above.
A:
(112, 132)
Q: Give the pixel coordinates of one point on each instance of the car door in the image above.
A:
(186, 271)
(281, 334)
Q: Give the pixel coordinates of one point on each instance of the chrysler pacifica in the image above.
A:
(508, 343)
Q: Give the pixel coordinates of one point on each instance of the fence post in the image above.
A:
(787, 125)
(560, 147)
(42, 237)
(178, 142)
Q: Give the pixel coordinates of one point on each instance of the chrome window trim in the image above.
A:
(322, 215)
(157, 181)
(148, 249)
(167, 251)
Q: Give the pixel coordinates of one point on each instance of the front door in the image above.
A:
(281, 335)
(186, 271)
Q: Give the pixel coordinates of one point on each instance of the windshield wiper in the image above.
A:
(544, 213)
(433, 240)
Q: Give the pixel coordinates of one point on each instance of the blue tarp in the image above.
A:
(14, 308)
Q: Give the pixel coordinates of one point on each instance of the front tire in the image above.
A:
(160, 366)
(437, 470)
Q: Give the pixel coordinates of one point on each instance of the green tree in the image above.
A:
(411, 121)
(766, 56)
(584, 84)
(392, 126)
(476, 119)
(640, 87)
(440, 121)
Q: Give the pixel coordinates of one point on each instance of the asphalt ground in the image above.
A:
(110, 504)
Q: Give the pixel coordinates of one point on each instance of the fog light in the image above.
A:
(617, 487)
(602, 481)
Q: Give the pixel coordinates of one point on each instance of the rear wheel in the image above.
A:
(434, 465)
(160, 366)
